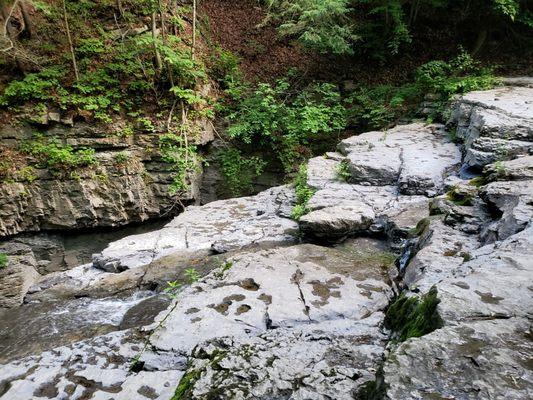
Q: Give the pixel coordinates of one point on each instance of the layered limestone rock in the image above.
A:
(391, 177)
(218, 226)
(483, 274)
(130, 183)
(496, 125)
(189, 240)
(304, 321)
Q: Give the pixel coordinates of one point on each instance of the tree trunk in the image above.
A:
(71, 45)
(158, 62)
(480, 41)
(193, 49)
(28, 26)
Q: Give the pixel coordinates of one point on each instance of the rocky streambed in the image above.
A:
(405, 280)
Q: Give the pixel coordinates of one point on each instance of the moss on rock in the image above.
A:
(413, 316)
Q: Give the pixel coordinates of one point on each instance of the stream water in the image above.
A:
(33, 328)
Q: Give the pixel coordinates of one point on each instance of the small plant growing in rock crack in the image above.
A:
(303, 193)
(182, 157)
(226, 266)
(499, 168)
(3, 260)
(192, 275)
(172, 289)
(122, 157)
(343, 171)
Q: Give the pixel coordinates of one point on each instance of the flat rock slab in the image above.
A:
(442, 252)
(285, 287)
(94, 369)
(415, 157)
(219, 226)
(328, 360)
(496, 283)
(474, 360)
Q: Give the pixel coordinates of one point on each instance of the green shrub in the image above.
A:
(239, 171)
(58, 158)
(122, 157)
(322, 25)
(39, 86)
(286, 119)
(182, 158)
(381, 106)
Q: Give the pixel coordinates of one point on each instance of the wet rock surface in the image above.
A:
(272, 318)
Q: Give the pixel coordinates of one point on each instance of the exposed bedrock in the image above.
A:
(275, 318)
(130, 184)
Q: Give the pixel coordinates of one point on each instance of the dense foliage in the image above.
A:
(239, 171)
(286, 118)
(379, 28)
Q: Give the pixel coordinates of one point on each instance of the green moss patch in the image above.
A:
(414, 316)
(461, 199)
(3, 260)
(420, 229)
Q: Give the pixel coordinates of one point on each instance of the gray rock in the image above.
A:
(524, 81)
(473, 360)
(415, 157)
(512, 201)
(442, 250)
(495, 124)
(496, 283)
(518, 169)
(392, 176)
(285, 287)
(109, 195)
(95, 369)
(225, 224)
(316, 361)
(18, 275)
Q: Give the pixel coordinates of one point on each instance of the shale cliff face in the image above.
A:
(275, 318)
(130, 184)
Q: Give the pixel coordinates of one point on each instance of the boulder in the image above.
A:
(392, 176)
(511, 202)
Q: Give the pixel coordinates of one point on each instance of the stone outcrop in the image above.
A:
(496, 125)
(17, 275)
(130, 184)
(392, 176)
(277, 319)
